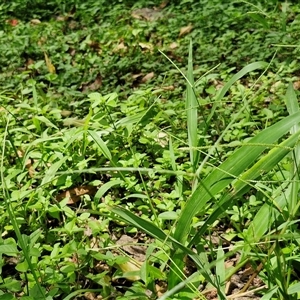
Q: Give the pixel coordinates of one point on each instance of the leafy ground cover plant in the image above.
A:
(114, 185)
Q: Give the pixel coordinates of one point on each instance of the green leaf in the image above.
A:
(11, 285)
(22, 267)
(232, 168)
(10, 250)
(259, 18)
(104, 188)
(295, 288)
(157, 233)
(101, 144)
(68, 268)
(47, 122)
(192, 112)
(7, 297)
(51, 172)
(220, 269)
(168, 215)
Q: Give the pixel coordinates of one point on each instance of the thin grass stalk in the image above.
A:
(14, 222)
(244, 71)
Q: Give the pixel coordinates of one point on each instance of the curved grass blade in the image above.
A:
(239, 187)
(233, 167)
(157, 233)
(249, 68)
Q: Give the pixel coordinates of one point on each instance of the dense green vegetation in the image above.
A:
(149, 149)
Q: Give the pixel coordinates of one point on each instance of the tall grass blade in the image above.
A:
(293, 107)
(220, 269)
(101, 144)
(157, 233)
(249, 68)
(241, 185)
(191, 110)
(221, 177)
(22, 242)
(233, 167)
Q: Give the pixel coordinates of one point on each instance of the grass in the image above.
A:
(147, 157)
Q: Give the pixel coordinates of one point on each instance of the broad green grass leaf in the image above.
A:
(51, 172)
(295, 288)
(192, 112)
(140, 196)
(259, 18)
(293, 107)
(232, 168)
(157, 233)
(131, 119)
(103, 147)
(170, 293)
(240, 186)
(249, 68)
(220, 269)
(270, 294)
(11, 285)
(104, 188)
(47, 122)
(168, 215)
(259, 226)
(179, 178)
(7, 297)
(146, 226)
(10, 250)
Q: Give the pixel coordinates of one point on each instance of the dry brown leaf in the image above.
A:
(13, 22)
(42, 41)
(161, 287)
(296, 85)
(146, 46)
(50, 66)
(94, 85)
(218, 84)
(73, 122)
(94, 45)
(135, 76)
(147, 14)
(72, 25)
(162, 139)
(275, 86)
(120, 47)
(29, 62)
(137, 252)
(127, 243)
(173, 46)
(20, 153)
(90, 296)
(65, 113)
(72, 53)
(163, 4)
(29, 167)
(62, 18)
(131, 266)
(74, 194)
(147, 77)
(35, 21)
(185, 30)
(169, 88)
(28, 164)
